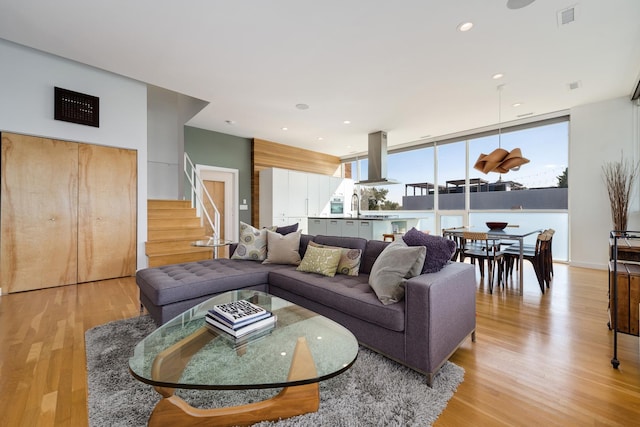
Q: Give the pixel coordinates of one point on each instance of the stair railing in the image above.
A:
(191, 173)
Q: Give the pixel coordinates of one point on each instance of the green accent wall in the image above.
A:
(211, 148)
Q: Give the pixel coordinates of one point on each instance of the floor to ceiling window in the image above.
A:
(440, 185)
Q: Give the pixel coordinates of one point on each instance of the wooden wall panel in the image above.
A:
(266, 154)
(107, 201)
(39, 213)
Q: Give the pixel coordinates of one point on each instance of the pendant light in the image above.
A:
(500, 160)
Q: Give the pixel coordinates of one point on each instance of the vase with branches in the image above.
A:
(619, 178)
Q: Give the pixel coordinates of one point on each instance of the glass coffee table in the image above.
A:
(303, 349)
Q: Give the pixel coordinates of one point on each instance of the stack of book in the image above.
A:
(240, 320)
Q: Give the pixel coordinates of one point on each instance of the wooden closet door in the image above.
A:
(107, 200)
(39, 213)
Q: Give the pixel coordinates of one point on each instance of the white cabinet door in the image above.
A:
(280, 193)
(317, 193)
(298, 200)
(334, 227)
(274, 196)
(350, 227)
(365, 229)
(317, 226)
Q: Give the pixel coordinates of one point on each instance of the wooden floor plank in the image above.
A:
(538, 359)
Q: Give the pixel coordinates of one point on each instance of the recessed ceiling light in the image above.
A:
(320, 138)
(347, 122)
(230, 122)
(497, 76)
(302, 106)
(518, 4)
(285, 128)
(517, 104)
(465, 26)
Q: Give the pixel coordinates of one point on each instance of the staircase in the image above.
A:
(171, 227)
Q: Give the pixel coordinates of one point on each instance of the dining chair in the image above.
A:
(539, 255)
(457, 254)
(478, 246)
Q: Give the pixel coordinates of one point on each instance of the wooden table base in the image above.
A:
(291, 401)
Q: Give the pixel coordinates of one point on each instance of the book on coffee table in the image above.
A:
(242, 330)
(243, 340)
(238, 313)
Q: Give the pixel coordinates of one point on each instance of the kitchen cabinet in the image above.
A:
(370, 229)
(297, 192)
(287, 194)
(317, 226)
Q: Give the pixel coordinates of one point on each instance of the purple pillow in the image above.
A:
(287, 229)
(439, 249)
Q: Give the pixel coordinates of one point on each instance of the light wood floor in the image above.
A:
(538, 360)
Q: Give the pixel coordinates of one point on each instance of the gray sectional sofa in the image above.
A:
(421, 331)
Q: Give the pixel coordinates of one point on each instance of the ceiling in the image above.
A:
(401, 67)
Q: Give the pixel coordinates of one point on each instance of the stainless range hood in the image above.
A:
(377, 161)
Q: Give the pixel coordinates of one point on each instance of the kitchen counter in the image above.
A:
(367, 227)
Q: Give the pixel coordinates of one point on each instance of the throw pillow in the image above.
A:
(349, 259)
(252, 244)
(387, 277)
(416, 268)
(439, 249)
(287, 229)
(283, 249)
(320, 260)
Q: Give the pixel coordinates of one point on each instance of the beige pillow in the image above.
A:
(349, 259)
(320, 260)
(416, 268)
(387, 277)
(283, 249)
(252, 244)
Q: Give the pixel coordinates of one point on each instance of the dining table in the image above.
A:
(509, 233)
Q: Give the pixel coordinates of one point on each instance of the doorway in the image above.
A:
(222, 186)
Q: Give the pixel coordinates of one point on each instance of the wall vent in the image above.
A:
(75, 107)
(574, 85)
(567, 16)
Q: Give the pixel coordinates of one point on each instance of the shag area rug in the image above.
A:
(375, 391)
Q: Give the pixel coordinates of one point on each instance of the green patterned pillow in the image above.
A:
(320, 260)
(252, 244)
(349, 259)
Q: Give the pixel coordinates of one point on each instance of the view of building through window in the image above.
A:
(540, 184)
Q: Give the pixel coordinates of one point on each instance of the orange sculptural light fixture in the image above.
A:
(500, 160)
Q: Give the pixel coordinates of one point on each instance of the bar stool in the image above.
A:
(388, 237)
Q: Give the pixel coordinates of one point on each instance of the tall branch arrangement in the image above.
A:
(619, 177)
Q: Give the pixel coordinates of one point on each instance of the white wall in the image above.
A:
(27, 79)
(167, 113)
(599, 132)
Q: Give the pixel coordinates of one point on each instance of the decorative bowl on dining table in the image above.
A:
(496, 225)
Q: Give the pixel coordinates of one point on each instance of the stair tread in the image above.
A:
(190, 250)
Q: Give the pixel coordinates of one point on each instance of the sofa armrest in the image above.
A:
(440, 312)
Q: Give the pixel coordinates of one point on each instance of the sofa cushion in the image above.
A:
(439, 249)
(349, 294)
(320, 260)
(252, 244)
(342, 242)
(287, 229)
(388, 274)
(178, 282)
(349, 259)
(372, 252)
(283, 249)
